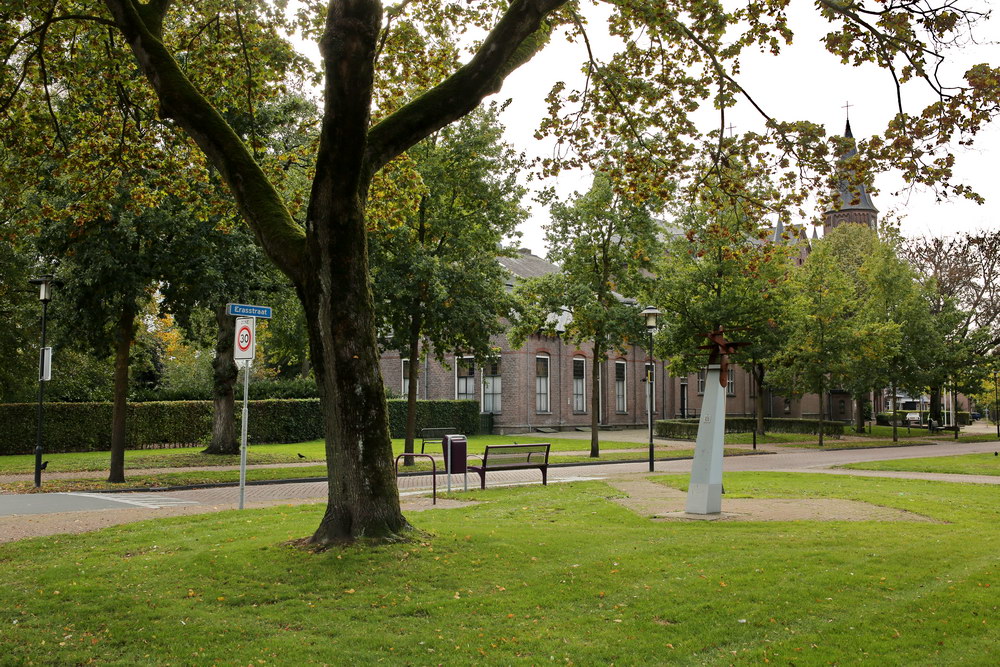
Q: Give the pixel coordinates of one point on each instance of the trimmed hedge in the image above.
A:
(463, 415)
(82, 427)
(687, 429)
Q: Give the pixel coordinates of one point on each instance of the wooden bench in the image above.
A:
(435, 435)
(514, 457)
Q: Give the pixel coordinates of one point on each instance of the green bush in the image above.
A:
(81, 427)
(463, 415)
(687, 429)
(296, 387)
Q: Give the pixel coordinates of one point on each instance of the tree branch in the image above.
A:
(258, 201)
(519, 34)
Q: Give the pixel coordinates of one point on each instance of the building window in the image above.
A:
(465, 379)
(579, 385)
(542, 383)
(701, 382)
(650, 376)
(843, 407)
(731, 382)
(491, 387)
(620, 404)
(406, 377)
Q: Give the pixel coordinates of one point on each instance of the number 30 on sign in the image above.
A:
(245, 339)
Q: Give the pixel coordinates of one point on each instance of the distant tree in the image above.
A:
(820, 328)
(724, 270)
(439, 287)
(19, 311)
(604, 244)
(963, 274)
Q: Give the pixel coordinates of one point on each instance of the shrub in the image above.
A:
(81, 427)
(687, 429)
(463, 415)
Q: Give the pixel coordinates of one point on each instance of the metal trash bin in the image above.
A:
(456, 450)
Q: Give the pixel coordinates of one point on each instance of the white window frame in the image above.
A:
(543, 394)
(466, 395)
(731, 381)
(405, 376)
(494, 382)
(701, 383)
(621, 392)
(580, 386)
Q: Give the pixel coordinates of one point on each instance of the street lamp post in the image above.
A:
(650, 313)
(44, 368)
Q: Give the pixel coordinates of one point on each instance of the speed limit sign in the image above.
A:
(245, 335)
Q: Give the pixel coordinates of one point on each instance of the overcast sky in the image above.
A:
(803, 83)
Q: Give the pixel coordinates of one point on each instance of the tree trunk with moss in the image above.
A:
(859, 413)
(224, 374)
(595, 405)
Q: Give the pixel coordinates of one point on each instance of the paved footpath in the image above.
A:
(31, 515)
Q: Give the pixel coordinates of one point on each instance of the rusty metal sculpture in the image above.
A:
(719, 351)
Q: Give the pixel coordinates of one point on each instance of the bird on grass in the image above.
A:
(301, 456)
(44, 465)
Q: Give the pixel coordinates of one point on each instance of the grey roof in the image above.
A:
(527, 265)
(853, 198)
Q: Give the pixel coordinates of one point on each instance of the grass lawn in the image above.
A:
(556, 574)
(831, 443)
(972, 437)
(968, 464)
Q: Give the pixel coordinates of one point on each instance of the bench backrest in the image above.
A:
(436, 433)
(516, 454)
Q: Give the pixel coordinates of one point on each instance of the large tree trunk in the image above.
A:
(859, 413)
(363, 499)
(224, 374)
(595, 406)
(124, 335)
(935, 406)
(412, 376)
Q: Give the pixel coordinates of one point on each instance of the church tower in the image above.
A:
(855, 203)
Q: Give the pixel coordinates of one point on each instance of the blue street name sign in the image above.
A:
(248, 311)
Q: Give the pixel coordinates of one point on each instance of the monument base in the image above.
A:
(704, 499)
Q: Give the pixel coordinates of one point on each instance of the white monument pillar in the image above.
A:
(705, 488)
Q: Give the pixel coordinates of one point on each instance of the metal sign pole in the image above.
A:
(450, 452)
(243, 432)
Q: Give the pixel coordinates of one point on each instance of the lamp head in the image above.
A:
(651, 314)
(44, 287)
